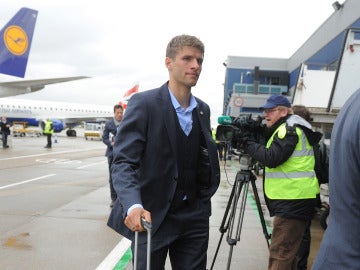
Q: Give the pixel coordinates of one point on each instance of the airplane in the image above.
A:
(63, 114)
(15, 43)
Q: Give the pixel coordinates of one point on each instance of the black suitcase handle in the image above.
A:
(147, 226)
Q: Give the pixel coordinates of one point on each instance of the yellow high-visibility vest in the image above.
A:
(295, 178)
(48, 129)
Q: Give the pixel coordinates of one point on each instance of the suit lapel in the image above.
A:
(202, 119)
(167, 110)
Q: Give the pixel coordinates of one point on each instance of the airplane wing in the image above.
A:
(20, 87)
(35, 85)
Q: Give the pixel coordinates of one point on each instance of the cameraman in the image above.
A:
(290, 183)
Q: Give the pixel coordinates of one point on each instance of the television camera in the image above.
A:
(234, 129)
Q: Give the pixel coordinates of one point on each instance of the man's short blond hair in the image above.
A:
(178, 42)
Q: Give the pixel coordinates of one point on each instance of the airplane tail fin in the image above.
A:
(15, 42)
(128, 95)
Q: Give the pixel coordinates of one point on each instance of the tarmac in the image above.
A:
(59, 221)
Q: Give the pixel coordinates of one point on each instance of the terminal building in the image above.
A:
(321, 74)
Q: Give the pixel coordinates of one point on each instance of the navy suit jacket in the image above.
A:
(340, 246)
(144, 168)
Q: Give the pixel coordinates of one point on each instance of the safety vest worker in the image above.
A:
(290, 183)
(213, 133)
(49, 127)
(295, 178)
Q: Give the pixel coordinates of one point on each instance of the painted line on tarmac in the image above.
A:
(28, 181)
(50, 153)
(91, 164)
(115, 255)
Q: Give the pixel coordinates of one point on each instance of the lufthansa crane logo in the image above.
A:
(16, 40)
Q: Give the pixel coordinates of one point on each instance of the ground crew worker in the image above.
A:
(290, 183)
(48, 131)
(220, 145)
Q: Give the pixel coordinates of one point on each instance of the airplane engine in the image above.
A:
(58, 125)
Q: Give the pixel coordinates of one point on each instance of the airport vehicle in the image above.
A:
(63, 114)
(21, 129)
(94, 130)
(15, 47)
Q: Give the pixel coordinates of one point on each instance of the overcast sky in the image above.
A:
(118, 43)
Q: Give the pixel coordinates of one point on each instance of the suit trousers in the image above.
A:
(113, 194)
(4, 139)
(183, 236)
(286, 237)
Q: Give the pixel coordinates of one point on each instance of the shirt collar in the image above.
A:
(177, 106)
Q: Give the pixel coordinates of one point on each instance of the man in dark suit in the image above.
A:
(166, 167)
(108, 138)
(5, 131)
(340, 246)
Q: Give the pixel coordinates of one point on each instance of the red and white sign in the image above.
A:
(238, 101)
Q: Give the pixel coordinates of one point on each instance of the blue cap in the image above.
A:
(276, 100)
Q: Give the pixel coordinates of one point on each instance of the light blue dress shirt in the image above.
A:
(184, 115)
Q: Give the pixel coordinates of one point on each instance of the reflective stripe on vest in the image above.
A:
(295, 178)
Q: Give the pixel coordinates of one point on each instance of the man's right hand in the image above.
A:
(133, 219)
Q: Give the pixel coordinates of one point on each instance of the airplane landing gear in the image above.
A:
(71, 133)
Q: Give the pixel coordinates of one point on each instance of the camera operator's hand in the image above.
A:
(243, 137)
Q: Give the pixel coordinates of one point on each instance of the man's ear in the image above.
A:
(283, 113)
(168, 62)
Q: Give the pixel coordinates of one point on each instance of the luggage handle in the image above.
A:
(147, 226)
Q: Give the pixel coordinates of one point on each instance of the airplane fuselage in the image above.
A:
(69, 114)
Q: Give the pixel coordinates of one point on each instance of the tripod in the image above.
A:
(239, 194)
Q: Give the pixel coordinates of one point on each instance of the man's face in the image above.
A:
(274, 114)
(186, 67)
(118, 114)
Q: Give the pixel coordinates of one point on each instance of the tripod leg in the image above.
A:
(228, 218)
(261, 214)
(223, 228)
(244, 186)
(242, 192)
